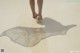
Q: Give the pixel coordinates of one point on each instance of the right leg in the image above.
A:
(40, 5)
(32, 5)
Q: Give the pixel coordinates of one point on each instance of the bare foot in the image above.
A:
(39, 17)
(35, 15)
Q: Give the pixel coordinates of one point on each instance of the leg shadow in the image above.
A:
(54, 27)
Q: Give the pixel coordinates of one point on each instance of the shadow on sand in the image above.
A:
(28, 37)
(54, 27)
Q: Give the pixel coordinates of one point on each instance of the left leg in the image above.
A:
(32, 5)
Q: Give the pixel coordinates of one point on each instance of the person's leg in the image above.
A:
(40, 4)
(32, 5)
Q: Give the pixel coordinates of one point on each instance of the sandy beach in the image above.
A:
(64, 12)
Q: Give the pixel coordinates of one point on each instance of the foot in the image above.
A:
(39, 17)
(35, 15)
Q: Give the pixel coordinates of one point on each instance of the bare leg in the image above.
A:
(32, 5)
(40, 3)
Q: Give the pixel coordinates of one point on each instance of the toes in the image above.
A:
(39, 17)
